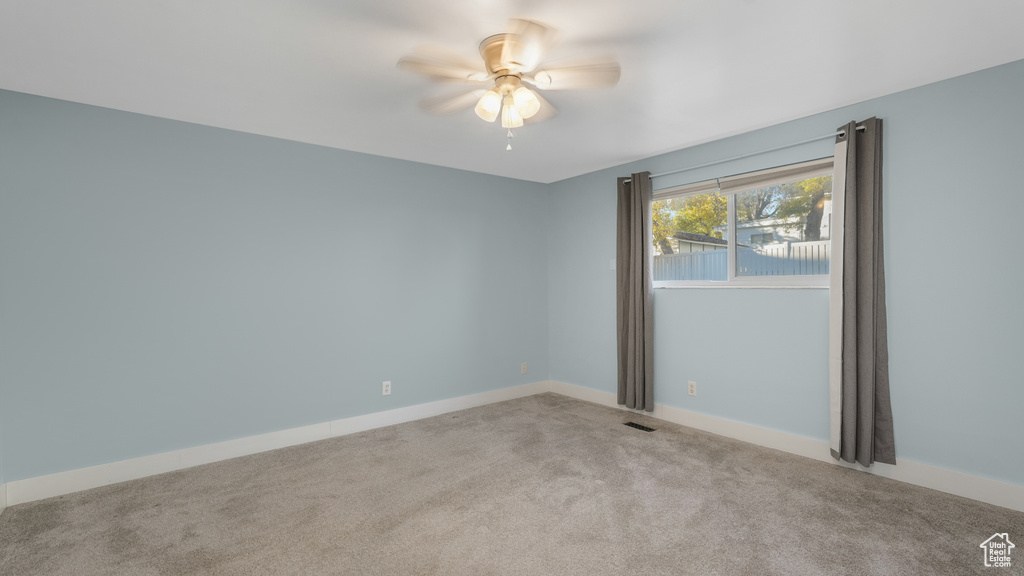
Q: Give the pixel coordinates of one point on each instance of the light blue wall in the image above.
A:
(167, 285)
(759, 356)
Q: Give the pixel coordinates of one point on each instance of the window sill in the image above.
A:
(726, 286)
(814, 282)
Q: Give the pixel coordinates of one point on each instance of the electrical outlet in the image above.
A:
(522, 369)
(691, 388)
(385, 388)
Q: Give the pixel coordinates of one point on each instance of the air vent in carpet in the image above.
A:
(639, 427)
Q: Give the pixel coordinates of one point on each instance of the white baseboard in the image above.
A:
(975, 487)
(31, 489)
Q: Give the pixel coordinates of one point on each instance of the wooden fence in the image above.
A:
(788, 259)
(707, 265)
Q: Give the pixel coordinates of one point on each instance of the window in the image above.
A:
(771, 227)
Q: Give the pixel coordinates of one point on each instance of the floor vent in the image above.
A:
(640, 427)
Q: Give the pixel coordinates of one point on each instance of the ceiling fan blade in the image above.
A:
(442, 65)
(454, 58)
(530, 42)
(450, 104)
(580, 75)
(546, 110)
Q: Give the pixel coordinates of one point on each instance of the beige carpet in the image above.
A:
(544, 485)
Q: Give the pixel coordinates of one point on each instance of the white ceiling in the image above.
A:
(323, 71)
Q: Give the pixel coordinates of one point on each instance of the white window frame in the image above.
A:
(730, 186)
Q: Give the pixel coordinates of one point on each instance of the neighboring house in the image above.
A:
(769, 231)
(779, 231)
(754, 234)
(687, 242)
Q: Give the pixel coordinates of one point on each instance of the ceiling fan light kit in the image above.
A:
(489, 105)
(510, 59)
(526, 102)
(514, 101)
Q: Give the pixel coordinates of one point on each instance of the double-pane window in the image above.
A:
(768, 227)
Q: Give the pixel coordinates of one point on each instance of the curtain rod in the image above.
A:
(758, 153)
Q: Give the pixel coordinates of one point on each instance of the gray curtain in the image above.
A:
(866, 434)
(635, 292)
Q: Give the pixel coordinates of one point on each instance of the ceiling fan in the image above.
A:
(511, 65)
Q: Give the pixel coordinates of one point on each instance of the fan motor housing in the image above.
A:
(499, 47)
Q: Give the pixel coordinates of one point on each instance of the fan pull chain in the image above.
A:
(509, 137)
